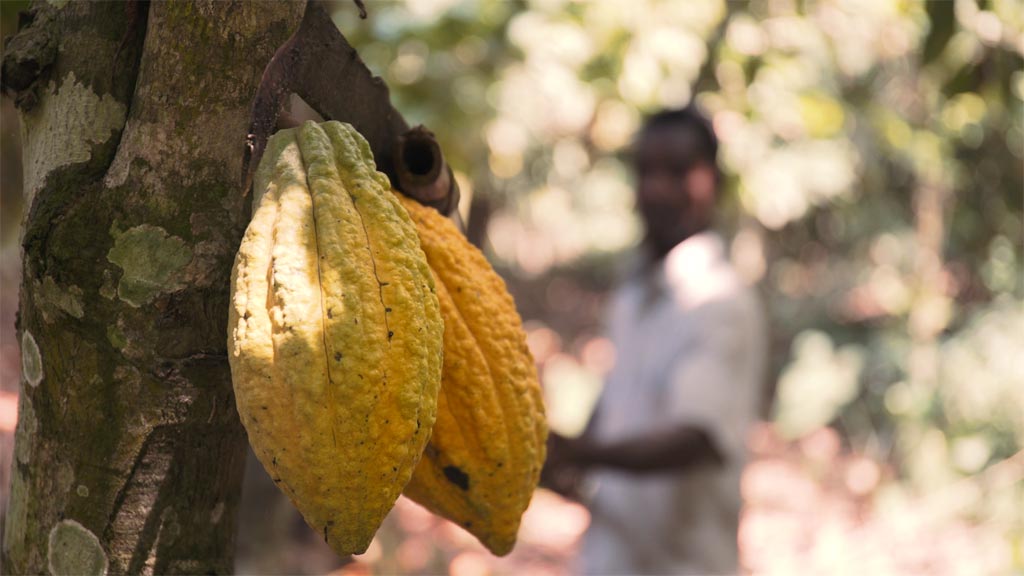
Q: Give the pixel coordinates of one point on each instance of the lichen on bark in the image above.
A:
(53, 300)
(62, 130)
(151, 261)
(73, 550)
(31, 359)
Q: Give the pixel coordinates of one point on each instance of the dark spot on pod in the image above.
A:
(330, 312)
(417, 424)
(387, 309)
(500, 464)
(394, 468)
(456, 476)
(263, 407)
(385, 283)
(467, 524)
(337, 356)
(357, 320)
(273, 461)
(458, 288)
(276, 480)
(247, 315)
(390, 334)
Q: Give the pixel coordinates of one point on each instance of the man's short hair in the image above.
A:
(689, 118)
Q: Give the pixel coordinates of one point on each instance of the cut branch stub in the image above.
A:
(423, 173)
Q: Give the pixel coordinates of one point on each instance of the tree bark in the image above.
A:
(129, 453)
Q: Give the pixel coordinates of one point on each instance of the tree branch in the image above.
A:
(321, 67)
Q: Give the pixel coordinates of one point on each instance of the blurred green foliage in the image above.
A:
(874, 151)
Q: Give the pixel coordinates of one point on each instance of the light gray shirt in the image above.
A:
(689, 348)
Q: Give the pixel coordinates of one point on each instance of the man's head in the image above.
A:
(677, 176)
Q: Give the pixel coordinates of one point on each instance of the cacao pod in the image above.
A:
(335, 334)
(485, 454)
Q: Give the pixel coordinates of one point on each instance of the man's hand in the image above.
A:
(561, 473)
(684, 446)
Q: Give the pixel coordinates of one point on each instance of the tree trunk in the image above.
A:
(129, 453)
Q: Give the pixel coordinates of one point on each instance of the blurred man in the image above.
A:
(665, 446)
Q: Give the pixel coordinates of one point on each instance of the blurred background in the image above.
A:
(873, 152)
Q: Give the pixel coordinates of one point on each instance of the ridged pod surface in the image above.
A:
(485, 454)
(334, 333)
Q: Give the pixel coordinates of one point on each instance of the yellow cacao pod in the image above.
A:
(335, 334)
(487, 448)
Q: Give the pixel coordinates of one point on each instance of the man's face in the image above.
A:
(675, 189)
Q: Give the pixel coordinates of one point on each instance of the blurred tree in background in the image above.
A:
(874, 154)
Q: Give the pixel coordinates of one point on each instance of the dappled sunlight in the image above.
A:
(830, 511)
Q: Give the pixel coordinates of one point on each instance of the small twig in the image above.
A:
(362, 8)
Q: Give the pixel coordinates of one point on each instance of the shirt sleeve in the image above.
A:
(715, 383)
